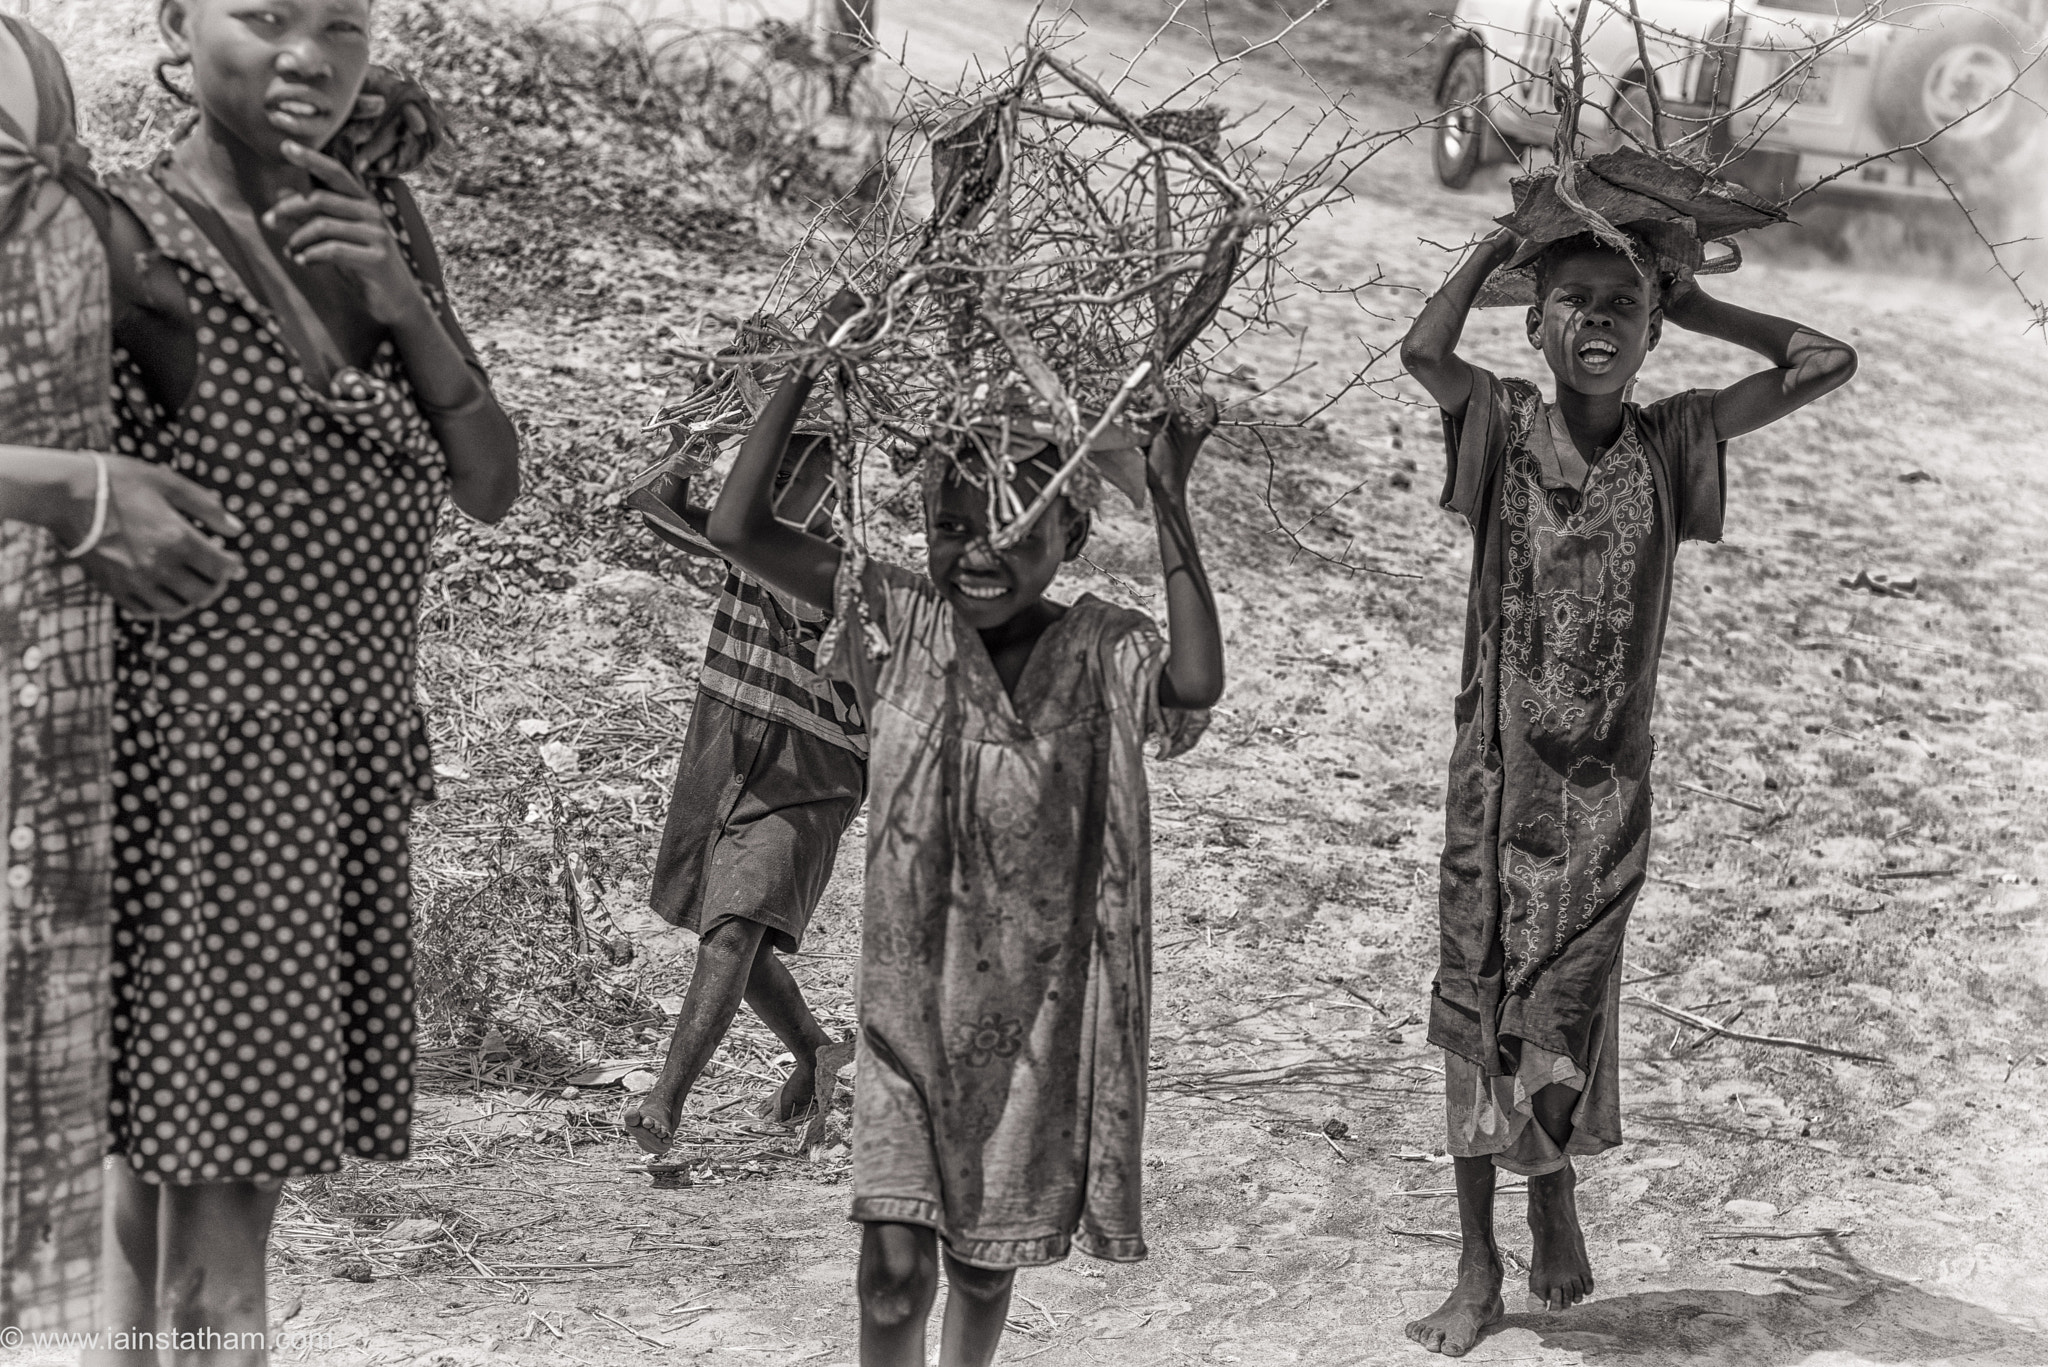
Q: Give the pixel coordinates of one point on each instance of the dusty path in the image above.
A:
(1862, 868)
(1866, 737)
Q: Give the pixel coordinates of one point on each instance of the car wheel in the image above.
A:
(1461, 131)
(1954, 70)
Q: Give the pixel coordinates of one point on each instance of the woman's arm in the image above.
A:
(149, 557)
(1194, 666)
(1806, 364)
(1430, 350)
(344, 227)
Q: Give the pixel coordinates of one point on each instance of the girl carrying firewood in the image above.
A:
(1577, 508)
(1006, 945)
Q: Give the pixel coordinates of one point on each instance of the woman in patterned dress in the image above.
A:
(281, 337)
(77, 526)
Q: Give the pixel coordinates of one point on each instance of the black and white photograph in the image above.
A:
(1113, 683)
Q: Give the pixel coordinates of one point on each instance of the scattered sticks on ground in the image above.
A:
(1745, 1037)
(1445, 1236)
(1743, 803)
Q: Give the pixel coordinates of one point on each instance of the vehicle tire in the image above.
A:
(1461, 131)
(1929, 77)
(1630, 115)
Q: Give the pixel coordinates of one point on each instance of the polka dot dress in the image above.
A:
(268, 752)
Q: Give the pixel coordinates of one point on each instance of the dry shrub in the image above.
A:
(574, 154)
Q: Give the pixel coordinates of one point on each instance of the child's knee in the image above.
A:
(732, 944)
(899, 1272)
(979, 1283)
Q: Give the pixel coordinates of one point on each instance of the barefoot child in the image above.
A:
(1577, 509)
(1006, 944)
(774, 766)
(282, 337)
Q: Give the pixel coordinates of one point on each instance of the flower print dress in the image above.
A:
(1547, 830)
(269, 751)
(1006, 943)
(56, 661)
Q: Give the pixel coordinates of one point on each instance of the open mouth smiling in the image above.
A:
(980, 590)
(1598, 353)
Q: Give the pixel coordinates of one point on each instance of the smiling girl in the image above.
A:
(1577, 509)
(282, 338)
(1005, 970)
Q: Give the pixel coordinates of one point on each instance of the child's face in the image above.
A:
(1597, 322)
(988, 587)
(268, 71)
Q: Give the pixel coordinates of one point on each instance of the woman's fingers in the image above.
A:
(200, 505)
(323, 204)
(324, 168)
(336, 230)
(214, 566)
(190, 587)
(415, 118)
(343, 255)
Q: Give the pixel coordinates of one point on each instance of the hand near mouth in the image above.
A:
(338, 224)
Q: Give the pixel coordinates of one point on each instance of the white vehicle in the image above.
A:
(1786, 93)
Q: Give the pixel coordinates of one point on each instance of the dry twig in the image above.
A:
(1745, 1037)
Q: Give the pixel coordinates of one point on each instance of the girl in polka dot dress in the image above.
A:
(282, 337)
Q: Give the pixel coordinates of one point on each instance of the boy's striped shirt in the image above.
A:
(763, 661)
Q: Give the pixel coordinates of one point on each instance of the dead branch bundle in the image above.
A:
(1079, 262)
(1655, 208)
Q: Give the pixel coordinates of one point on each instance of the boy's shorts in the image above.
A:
(754, 824)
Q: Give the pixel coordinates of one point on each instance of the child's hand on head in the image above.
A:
(1680, 292)
(338, 224)
(1171, 457)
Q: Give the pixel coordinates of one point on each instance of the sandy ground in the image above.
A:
(1852, 835)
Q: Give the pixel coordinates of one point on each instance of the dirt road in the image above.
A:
(1851, 841)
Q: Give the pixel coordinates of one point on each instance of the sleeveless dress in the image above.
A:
(268, 753)
(56, 657)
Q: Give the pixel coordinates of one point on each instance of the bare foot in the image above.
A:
(1460, 1321)
(799, 1089)
(651, 1120)
(1559, 1273)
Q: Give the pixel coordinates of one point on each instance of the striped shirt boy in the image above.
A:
(763, 660)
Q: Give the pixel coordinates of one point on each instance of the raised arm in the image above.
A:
(743, 524)
(1805, 364)
(1194, 664)
(339, 224)
(1430, 350)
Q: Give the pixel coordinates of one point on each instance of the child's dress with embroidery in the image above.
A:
(1006, 944)
(268, 753)
(1548, 825)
